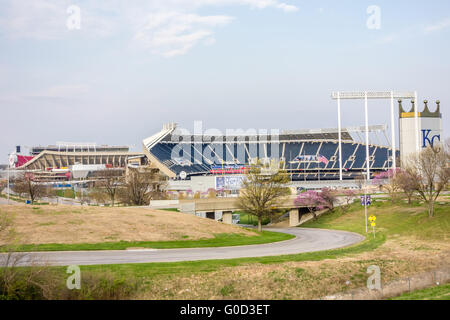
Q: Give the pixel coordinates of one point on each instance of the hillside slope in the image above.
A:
(70, 224)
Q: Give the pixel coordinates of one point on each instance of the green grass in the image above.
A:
(65, 193)
(393, 220)
(436, 293)
(249, 219)
(149, 270)
(22, 200)
(219, 240)
(12, 197)
(171, 209)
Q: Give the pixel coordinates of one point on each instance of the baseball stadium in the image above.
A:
(203, 161)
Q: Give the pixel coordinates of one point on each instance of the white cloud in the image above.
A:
(258, 4)
(165, 27)
(174, 29)
(175, 33)
(287, 7)
(438, 26)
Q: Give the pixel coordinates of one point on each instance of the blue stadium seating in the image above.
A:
(194, 163)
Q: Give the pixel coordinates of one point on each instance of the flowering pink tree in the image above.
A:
(312, 200)
(329, 197)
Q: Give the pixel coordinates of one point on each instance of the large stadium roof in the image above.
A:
(249, 136)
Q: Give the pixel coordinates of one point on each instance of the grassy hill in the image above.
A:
(407, 242)
(393, 220)
(51, 227)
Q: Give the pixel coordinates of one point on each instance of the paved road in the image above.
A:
(307, 240)
(5, 201)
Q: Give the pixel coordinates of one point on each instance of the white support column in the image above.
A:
(340, 135)
(394, 153)
(416, 122)
(366, 106)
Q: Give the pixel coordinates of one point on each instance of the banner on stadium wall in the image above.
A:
(313, 158)
(229, 182)
(230, 169)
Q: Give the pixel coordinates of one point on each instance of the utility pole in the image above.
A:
(365, 206)
(9, 165)
(365, 203)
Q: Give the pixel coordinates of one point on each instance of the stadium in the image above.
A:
(200, 162)
(208, 159)
(307, 155)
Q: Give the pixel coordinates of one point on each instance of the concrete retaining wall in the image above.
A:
(395, 288)
(164, 204)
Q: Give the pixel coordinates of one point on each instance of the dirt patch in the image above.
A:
(69, 224)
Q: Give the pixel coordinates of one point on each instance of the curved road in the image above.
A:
(307, 240)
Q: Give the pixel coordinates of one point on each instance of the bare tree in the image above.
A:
(349, 196)
(360, 180)
(24, 185)
(2, 185)
(430, 173)
(142, 185)
(111, 180)
(212, 193)
(388, 182)
(406, 183)
(263, 191)
(99, 196)
(84, 197)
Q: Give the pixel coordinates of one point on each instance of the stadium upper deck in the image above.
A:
(307, 155)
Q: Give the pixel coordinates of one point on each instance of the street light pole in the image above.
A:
(365, 203)
(365, 206)
(9, 166)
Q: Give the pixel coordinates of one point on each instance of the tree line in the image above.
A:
(135, 188)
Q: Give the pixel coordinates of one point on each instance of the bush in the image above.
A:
(45, 283)
(104, 286)
(38, 283)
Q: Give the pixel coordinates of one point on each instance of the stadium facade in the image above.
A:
(71, 161)
(202, 161)
(307, 155)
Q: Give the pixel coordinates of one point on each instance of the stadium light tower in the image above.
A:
(366, 95)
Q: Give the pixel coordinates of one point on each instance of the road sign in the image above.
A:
(366, 200)
(372, 218)
(373, 224)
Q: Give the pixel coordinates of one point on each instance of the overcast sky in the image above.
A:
(265, 64)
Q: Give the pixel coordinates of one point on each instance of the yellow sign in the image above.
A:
(410, 114)
(373, 224)
(372, 218)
